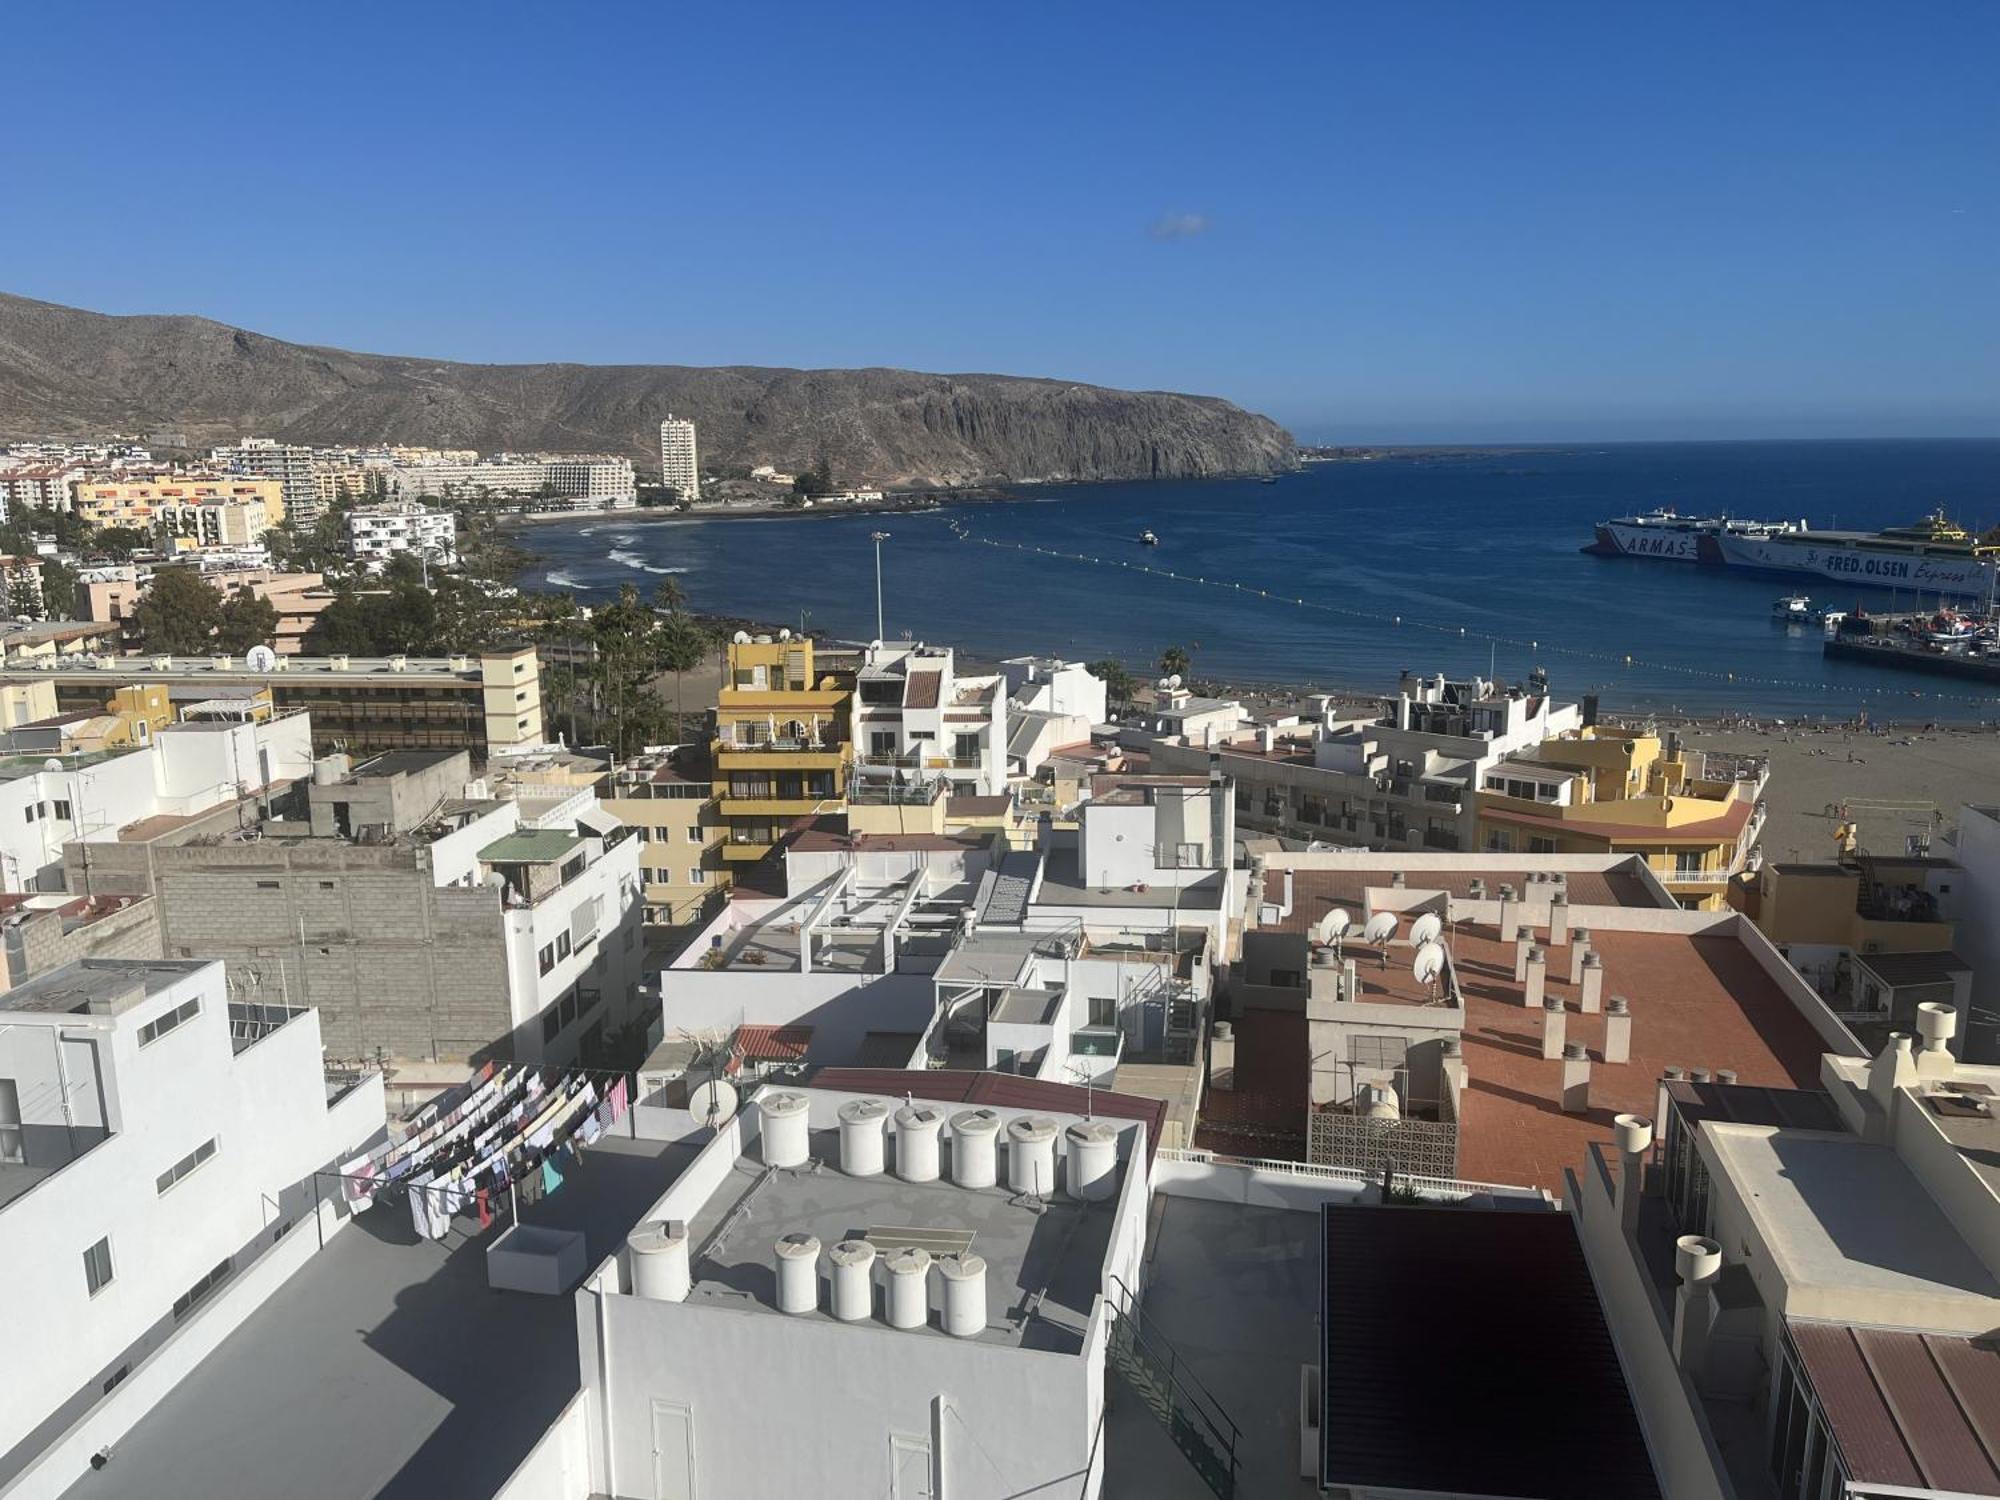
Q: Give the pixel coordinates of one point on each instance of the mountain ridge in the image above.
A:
(69, 372)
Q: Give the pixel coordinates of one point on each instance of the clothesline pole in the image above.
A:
(514, 1197)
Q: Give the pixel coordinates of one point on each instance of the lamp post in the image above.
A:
(878, 537)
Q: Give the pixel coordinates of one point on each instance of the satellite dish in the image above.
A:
(53, 765)
(1174, 681)
(741, 638)
(260, 659)
(1381, 927)
(711, 1105)
(1428, 964)
(1329, 927)
(1426, 928)
(784, 635)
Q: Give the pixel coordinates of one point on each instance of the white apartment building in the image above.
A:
(30, 485)
(377, 534)
(294, 468)
(189, 525)
(581, 481)
(158, 1146)
(915, 719)
(680, 464)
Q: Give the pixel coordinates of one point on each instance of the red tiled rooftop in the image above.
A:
(784, 1044)
(921, 690)
(1317, 891)
(977, 807)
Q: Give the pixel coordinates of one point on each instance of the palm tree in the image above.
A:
(1175, 659)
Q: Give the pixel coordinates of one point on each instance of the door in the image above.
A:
(673, 1451)
(13, 1151)
(910, 1468)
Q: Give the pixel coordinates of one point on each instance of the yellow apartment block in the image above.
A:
(781, 749)
(138, 502)
(669, 801)
(1603, 790)
(1868, 904)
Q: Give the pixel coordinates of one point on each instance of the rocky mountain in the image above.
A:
(67, 372)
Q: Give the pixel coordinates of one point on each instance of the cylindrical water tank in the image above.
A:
(659, 1252)
(784, 1129)
(1936, 1021)
(861, 1122)
(1696, 1259)
(1093, 1160)
(797, 1258)
(917, 1127)
(964, 1278)
(853, 1280)
(1635, 1133)
(908, 1304)
(974, 1152)
(1031, 1155)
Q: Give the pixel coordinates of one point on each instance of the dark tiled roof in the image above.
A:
(977, 807)
(921, 690)
(1535, 1405)
(773, 1043)
(1914, 1409)
(1899, 969)
(953, 1086)
(1748, 1104)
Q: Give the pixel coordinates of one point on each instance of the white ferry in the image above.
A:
(1932, 557)
(1673, 537)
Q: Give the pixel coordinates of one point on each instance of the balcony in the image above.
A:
(775, 807)
(919, 762)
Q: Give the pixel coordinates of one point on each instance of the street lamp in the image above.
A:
(878, 537)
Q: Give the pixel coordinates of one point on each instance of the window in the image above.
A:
(28, 812)
(882, 742)
(117, 1376)
(326, 885)
(551, 1023)
(645, 834)
(548, 957)
(62, 811)
(97, 1266)
(965, 747)
(192, 1298)
(1380, 1052)
(1104, 1010)
(1686, 863)
(697, 876)
(568, 1007)
(186, 1165)
(562, 945)
(1540, 845)
(1499, 841)
(153, 1030)
(694, 835)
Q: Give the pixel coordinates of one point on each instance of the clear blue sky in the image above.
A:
(1404, 219)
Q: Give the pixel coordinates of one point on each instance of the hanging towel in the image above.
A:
(617, 1099)
(485, 1209)
(551, 1178)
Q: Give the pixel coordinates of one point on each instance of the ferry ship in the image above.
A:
(1932, 557)
(1673, 537)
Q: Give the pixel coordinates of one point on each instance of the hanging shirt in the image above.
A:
(551, 1178)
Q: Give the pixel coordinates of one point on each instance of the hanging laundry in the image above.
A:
(485, 1209)
(551, 1178)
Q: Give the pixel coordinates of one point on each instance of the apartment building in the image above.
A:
(158, 1145)
(915, 719)
(112, 594)
(26, 485)
(138, 503)
(295, 469)
(668, 799)
(561, 481)
(189, 525)
(378, 533)
(358, 704)
(680, 464)
(782, 748)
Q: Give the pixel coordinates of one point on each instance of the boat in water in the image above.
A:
(1793, 609)
(1668, 535)
(1148, 539)
(1934, 556)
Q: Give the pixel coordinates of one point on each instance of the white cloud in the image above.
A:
(1179, 226)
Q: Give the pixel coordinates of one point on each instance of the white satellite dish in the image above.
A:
(53, 765)
(1426, 928)
(784, 635)
(1428, 964)
(1174, 681)
(261, 659)
(712, 1104)
(741, 638)
(1381, 927)
(1328, 929)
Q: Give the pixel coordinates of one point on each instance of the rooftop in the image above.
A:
(531, 846)
(98, 986)
(1317, 891)
(403, 762)
(1062, 886)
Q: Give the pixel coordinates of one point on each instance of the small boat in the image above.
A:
(1270, 479)
(1793, 609)
(1148, 539)
(1949, 629)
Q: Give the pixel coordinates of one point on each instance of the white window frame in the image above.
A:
(91, 1277)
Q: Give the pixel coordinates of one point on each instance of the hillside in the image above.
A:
(68, 372)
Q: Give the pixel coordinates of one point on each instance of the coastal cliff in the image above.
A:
(65, 372)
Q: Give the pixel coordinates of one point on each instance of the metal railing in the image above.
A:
(1456, 1185)
(1200, 1428)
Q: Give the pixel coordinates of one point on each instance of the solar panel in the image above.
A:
(936, 1241)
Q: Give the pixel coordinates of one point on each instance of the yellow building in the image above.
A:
(136, 502)
(669, 799)
(184, 525)
(781, 748)
(1602, 790)
(1868, 904)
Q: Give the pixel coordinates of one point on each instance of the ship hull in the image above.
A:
(1858, 564)
(1662, 544)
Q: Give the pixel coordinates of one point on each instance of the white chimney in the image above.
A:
(1697, 1262)
(1266, 738)
(1591, 991)
(1554, 1023)
(1524, 939)
(1286, 909)
(1893, 1068)
(853, 1264)
(1635, 1140)
(1455, 1075)
(1579, 944)
(1538, 978)
(861, 1122)
(659, 1253)
(1576, 1080)
(797, 1262)
(1558, 919)
(1936, 1022)
(1618, 1030)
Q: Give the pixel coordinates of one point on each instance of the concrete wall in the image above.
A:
(1978, 896)
(37, 942)
(557, 1467)
(841, 1008)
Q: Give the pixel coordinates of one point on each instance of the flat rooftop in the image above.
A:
(98, 986)
(531, 846)
(1044, 1264)
(1063, 886)
(1315, 892)
(385, 1369)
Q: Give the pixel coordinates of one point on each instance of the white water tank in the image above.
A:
(1093, 1160)
(784, 1129)
(908, 1304)
(659, 1252)
(917, 1127)
(797, 1260)
(974, 1148)
(861, 1122)
(964, 1278)
(1031, 1155)
(853, 1263)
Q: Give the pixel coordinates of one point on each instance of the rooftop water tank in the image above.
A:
(861, 1122)
(784, 1129)
(1093, 1160)
(659, 1253)
(797, 1260)
(974, 1157)
(964, 1278)
(917, 1127)
(853, 1263)
(1031, 1155)
(908, 1304)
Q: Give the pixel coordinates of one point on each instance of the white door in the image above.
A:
(673, 1451)
(910, 1468)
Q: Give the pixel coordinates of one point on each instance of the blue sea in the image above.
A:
(1344, 574)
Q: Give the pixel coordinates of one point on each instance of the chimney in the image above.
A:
(1576, 1079)
(1524, 939)
(1538, 977)
(1593, 984)
(1936, 1021)
(1222, 1057)
(1618, 1030)
(1701, 1075)
(1267, 738)
(1286, 909)
(1725, 1075)
(1506, 894)
(1453, 1065)
(1697, 1262)
(1635, 1140)
(1554, 1021)
(1662, 1104)
(1476, 891)
(1558, 919)
(1579, 944)
(1892, 1069)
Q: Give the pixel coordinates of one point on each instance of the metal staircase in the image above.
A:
(1152, 1370)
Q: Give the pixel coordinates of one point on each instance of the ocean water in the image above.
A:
(1346, 573)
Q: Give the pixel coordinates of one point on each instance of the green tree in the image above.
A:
(1119, 683)
(343, 628)
(179, 613)
(120, 541)
(628, 663)
(246, 619)
(1175, 659)
(59, 598)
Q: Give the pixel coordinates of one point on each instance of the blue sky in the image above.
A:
(1419, 220)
